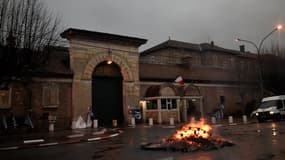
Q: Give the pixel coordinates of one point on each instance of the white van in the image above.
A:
(271, 108)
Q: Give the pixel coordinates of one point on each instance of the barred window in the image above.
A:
(50, 96)
(168, 103)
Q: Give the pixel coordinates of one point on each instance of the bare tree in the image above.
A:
(246, 70)
(29, 22)
(273, 60)
(27, 29)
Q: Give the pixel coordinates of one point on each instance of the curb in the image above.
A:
(221, 124)
(70, 139)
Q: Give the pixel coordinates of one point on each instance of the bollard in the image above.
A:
(171, 121)
(213, 120)
(193, 120)
(95, 123)
(51, 120)
(231, 119)
(114, 122)
(51, 127)
(244, 119)
(133, 121)
(150, 121)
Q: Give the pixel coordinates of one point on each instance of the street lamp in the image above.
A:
(258, 48)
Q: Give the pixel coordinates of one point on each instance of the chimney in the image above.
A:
(212, 43)
(242, 48)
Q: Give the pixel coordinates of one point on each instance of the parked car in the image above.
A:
(270, 108)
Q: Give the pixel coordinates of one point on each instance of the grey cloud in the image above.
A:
(194, 21)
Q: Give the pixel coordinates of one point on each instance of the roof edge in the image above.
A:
(72, 32)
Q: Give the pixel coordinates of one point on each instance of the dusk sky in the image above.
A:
(194, 21)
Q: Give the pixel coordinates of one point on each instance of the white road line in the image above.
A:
(168, 126)
(99, 132)
(114, 135)
(33, 141)
(48, 144)
(94, 139)
(75, 135)
(217, 125)
(9, 148)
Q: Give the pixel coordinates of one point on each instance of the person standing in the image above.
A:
(222, 107)
(90, 117)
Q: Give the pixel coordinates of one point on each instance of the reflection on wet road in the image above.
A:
(256, 141)
(253, 141)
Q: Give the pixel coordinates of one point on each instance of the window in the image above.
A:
(151, 104)
(163, 104)
(5, 99)
(50, 96)
(168, 103)
(173, 104)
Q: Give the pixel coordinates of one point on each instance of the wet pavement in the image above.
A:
(29, 139)
(253, 141)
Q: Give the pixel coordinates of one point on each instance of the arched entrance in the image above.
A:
(193, 101)
(107, 101)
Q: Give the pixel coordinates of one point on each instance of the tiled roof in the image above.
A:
(203, 47)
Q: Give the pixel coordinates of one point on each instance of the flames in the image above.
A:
(193, 130)
(190, 137)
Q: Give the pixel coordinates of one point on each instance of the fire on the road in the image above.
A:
(191, 137)
(195, 130)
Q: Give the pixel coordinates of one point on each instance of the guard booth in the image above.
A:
(161, 109)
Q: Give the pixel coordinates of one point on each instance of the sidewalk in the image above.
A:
(41, 139)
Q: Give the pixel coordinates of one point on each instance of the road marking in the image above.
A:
(9, 148)
(94, 139)
(33, 141)
(217, 125)
(48, 144)
(114, 135)
(168, 126)
(75, 135)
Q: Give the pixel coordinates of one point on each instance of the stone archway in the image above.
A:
(95, 60)
(168, 89)
(83, 83)
(192, 90)
(193, 102)
(87, 50)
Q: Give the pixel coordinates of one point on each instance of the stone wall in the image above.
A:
(85, 55)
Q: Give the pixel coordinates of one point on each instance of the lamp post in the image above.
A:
(258, 48)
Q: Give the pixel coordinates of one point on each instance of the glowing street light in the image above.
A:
(258, 48)
(279, 27)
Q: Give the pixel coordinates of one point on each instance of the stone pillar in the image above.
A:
(130, 97)
(81, 98)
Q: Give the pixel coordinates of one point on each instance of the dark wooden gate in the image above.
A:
(107, 101)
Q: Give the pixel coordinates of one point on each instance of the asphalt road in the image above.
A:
(253, 142)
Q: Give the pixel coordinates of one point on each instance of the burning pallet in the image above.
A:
(191, 137)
